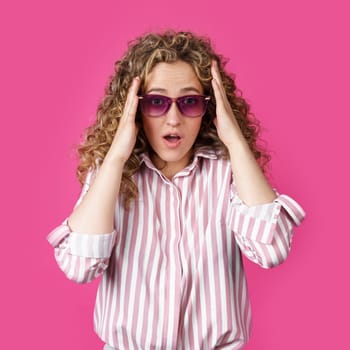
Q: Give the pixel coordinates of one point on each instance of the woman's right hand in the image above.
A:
(95, 213)
(125, 137)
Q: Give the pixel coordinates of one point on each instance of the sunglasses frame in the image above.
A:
(177, 100)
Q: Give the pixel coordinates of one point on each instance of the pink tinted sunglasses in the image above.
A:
(191, 106)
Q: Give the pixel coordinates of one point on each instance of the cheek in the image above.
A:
(195, 127)
(150, 127)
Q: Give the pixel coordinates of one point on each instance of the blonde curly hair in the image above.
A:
(142, 55)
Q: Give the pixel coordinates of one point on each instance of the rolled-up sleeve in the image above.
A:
(82, 257)
(264, 232)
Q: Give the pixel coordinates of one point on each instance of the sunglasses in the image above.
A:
(191, 106)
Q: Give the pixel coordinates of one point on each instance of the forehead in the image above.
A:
(172, 77)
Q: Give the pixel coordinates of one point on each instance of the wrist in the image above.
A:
(114, 160)
(237, 145)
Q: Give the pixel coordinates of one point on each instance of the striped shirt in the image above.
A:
(172, 273)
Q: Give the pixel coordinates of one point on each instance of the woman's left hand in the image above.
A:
(225, 121)
(252, 186)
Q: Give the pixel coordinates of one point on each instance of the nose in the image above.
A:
(173, 116)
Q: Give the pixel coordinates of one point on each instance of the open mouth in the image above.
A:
(172, 138)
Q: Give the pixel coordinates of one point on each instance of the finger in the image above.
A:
(217, 92)
(132, 99)
(218, 85)
(216, 74)
(215, 71)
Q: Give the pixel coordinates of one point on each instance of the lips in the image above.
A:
(172, 139)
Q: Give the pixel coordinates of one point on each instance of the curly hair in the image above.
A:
(142, 55)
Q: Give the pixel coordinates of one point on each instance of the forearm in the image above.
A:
(251, 183)
(95, 214)
(252, 186)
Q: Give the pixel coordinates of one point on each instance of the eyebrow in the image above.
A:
(185, 89)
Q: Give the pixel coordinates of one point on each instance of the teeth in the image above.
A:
(172, 137)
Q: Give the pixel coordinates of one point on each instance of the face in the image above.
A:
(172, 135)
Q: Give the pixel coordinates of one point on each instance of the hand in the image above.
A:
(252, 186)
(225, 121)
(125, 137)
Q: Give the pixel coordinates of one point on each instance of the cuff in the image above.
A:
(86, 245)
(258, 223)
(295, 211)
(58, 234)
(97, 246)
(255, 223)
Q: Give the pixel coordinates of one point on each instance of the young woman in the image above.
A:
(173, 193)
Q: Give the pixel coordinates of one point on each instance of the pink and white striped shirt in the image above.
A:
(172, 273)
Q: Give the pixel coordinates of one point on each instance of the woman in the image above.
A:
(174, 191)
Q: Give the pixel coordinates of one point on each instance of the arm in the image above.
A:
(264, 232)
(95, 213)
(252, 186)
(261, 220)
(82, 257)
(84, 242)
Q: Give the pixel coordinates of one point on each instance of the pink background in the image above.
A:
(291, 59)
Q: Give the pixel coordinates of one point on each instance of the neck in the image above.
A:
(169, 169)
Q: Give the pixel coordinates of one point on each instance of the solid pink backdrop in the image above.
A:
(291, 61)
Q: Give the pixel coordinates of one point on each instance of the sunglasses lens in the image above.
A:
(192, 106)
(154, 105)
(157, 105)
